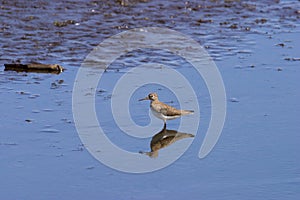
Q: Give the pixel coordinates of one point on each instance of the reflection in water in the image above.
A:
(163, 139)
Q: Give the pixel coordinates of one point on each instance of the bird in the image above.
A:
(164, 111)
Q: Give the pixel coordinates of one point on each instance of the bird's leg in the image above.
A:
(165, 126)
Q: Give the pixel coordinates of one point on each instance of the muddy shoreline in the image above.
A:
(44, 32)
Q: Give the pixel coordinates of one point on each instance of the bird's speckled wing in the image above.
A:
(166, 109)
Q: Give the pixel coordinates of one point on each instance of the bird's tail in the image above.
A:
(152, 154)
(187, 112)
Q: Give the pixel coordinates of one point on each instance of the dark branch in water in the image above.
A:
(39, 68)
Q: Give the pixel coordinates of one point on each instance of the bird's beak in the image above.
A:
(146, 98)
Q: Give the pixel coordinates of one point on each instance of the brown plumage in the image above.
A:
(164, 111)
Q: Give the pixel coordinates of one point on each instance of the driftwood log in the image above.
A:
(41, 68)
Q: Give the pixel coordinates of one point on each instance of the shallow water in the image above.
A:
(256, 48)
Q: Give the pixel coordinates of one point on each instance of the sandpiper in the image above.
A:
(164, 111)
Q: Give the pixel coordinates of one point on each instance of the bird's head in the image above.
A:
(151, 97)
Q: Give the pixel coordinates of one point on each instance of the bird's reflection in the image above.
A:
(163, 139)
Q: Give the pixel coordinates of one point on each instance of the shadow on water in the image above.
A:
(163, 139)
